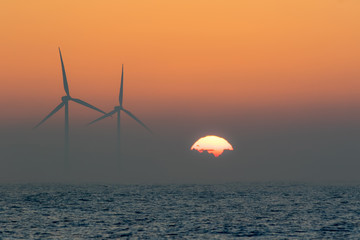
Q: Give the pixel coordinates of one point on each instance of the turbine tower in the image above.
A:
(118, 109)
(65, 102)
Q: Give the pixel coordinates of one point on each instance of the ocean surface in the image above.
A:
(223, 211)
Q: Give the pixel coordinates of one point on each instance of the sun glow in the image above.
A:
(212, 144)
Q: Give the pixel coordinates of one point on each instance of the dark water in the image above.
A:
(229, 211)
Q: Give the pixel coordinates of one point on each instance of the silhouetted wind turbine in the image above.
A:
(65, 102)
(118, 109)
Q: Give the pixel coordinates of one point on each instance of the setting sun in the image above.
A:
(212, 144)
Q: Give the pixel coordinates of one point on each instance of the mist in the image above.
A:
(264, 150)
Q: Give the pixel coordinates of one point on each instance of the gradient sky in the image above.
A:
(237, 68)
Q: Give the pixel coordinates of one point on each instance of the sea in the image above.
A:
(216, 211)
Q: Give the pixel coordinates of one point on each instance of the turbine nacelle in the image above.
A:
(117, 108)
(65, 98)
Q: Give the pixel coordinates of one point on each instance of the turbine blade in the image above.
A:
(104, 116)
(50, 114)
(136, 119)
(86, 104)
(121, 87)
(66, 87)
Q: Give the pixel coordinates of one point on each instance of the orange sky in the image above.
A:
(193, 56)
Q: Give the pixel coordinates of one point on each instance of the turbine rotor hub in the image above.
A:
(117, 108)
(65, 98)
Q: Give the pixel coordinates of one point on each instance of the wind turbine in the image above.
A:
(118, 109)
(65, 102)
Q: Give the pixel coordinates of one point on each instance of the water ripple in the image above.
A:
(224, 211)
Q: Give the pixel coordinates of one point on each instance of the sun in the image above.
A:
(212, 144)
